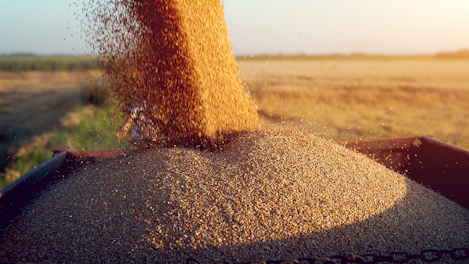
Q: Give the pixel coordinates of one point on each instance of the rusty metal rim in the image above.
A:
(444, 148)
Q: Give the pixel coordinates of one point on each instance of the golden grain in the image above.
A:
(270, 194)
(273, 194)
(176, 55)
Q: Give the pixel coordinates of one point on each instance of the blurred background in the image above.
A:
(341, 69)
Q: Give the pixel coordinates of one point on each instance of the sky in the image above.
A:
(47, 27)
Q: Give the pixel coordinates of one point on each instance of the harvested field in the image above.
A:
(44, 82)
(363, 98)
(274, 194)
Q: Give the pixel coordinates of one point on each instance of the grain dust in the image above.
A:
(177, 56)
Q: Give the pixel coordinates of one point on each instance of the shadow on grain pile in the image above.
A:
(404, 227)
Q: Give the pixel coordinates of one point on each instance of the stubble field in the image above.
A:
(364, 98)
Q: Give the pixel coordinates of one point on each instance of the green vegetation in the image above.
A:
(31, 159)
(87, 127)
(30, 62)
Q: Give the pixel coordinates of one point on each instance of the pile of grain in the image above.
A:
(275, 194)
(177, 56)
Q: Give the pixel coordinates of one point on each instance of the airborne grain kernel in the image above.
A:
(177, 56)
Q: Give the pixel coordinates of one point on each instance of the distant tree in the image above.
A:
(460, 54)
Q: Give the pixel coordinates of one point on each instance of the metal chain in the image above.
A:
(429, 255)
